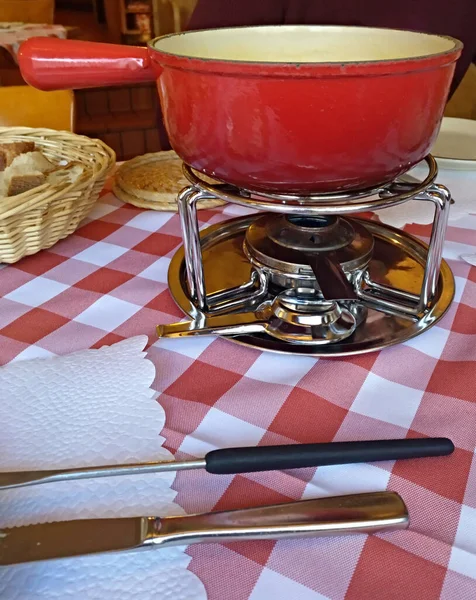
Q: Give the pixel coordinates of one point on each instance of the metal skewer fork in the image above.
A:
(248, 460)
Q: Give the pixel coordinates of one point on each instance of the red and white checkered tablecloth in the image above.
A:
(108, 281)
(13, 34)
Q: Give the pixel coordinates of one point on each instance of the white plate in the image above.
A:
(455, 147)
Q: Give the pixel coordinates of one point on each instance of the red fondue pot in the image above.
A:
(283, 108)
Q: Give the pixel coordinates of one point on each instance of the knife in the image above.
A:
(357, 513)
(249, 460)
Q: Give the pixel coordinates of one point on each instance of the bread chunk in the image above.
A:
(18, 184)
(8, 152)
(26, 172)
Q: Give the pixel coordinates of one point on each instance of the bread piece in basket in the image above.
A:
(25, 172)
(9, 151)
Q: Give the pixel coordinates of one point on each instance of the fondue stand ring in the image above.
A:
(294, 256)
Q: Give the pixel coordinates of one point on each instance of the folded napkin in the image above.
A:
(93, 407)
(462, 185)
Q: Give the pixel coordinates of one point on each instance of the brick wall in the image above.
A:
(125, 118)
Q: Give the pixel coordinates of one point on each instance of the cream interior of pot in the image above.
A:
(304, 44)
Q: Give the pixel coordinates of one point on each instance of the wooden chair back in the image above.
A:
(167, 17)
(463, 102)
(27, 11)
(24, 106)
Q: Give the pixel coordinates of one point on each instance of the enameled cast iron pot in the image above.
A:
(282, 108)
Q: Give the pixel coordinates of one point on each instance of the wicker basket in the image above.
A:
(37, 219)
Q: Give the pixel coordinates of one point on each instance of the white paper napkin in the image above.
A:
(462, 185)
(469, 258)
(89, 408)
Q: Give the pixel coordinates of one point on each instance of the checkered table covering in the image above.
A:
(108, 281)
(13, 34)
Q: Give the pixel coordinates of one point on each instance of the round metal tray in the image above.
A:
(398, 261)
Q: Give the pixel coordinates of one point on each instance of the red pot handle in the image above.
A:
(54, 64)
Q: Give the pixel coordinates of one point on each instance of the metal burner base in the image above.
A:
(398, 261)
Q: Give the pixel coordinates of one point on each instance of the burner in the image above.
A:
(302, 277)
(283, 246)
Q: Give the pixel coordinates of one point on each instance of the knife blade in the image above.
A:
(324, 516)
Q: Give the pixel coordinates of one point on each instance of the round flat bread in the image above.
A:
(163, 205)
(154, 180)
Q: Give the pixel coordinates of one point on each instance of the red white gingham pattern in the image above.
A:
(12, 36)
(108, 281)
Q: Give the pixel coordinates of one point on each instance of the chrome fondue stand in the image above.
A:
(253, 314)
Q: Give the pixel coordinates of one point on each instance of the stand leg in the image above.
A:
(441, 197)
(244, 296)
(399, 301)
(187, 206)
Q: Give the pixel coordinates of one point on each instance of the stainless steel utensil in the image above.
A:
(248, 460)
(325, 516)
(312, 321)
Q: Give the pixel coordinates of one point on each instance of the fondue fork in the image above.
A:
(249, 460)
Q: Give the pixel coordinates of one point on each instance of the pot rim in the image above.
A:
(457, 48)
